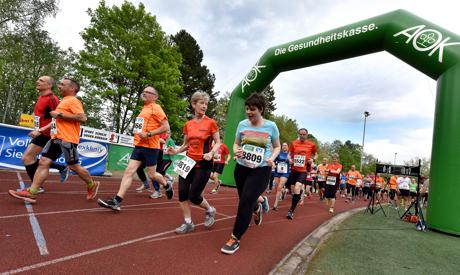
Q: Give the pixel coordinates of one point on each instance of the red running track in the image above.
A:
(80, 237)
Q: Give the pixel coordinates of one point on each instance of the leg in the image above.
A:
(30, 159)
(127, 179)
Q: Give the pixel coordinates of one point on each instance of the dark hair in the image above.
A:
(256, 100)
(74, 84)
(302, 129)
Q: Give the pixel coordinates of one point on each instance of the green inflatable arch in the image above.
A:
(425, 46)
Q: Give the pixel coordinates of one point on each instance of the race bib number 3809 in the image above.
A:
(184, 166)
(253, 156)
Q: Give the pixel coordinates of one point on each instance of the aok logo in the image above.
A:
(424, 40)
(251, 76)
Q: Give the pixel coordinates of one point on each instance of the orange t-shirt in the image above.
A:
(332, 166)
(379, 183)
(68, 130)
(300, 153)
(393, 182)
(199, 136)
(352, 176)
(322, 174)
(151, 116)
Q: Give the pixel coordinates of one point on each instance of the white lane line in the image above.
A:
(89, 252)
(38, 234)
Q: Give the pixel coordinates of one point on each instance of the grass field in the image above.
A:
(375, 244)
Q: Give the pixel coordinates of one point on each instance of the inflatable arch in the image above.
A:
(423, 45)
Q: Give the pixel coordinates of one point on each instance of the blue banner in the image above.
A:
(14, 141)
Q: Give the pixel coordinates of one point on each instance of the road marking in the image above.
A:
(38, 234)
(89, 252)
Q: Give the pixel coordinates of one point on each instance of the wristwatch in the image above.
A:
(60, 115)
(149, 134)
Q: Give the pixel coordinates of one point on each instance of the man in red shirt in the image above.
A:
(300, 152)
(46, 103)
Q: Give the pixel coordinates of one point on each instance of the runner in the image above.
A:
(379, 184)
(220, 159)
(255, 159)
(367, 192)
(333, 176)
(300, 152)
(322, 174)
(282, 170)
(352, 177)
(413, 189)
(151, 122)
(65, 136)
(343, 184)
(195, 168)
(46, 103)
(403, 191)
(393, 185)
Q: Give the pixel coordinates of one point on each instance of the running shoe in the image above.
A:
(28, 185)
(214, 191)
(290, 215)
(257, 215)
(265, 205)
(156, 195)
(41, 190)
(331, 210)
(275, 208)
(110, 203)
(64, 174)
(185, 228)
(24, 195)
(140, 188)
(209, 218)
(231, 246)
(92, 192)
(170, 191)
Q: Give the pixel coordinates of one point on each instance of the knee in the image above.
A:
(196, 199)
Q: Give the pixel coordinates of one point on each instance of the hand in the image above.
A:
(239, 152)
(143, 135)
(34, 134)
(208, 156)
(54, 114)
(270, 162)
(171, 151)
(226, 162)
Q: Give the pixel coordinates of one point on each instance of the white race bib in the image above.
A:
(36, 122)
(253, 156)
(321, 178)
(217, 157)
(138, 125)
(53, 127)
(331, 180)
(184, 166)
(299, 161)
(281, 168)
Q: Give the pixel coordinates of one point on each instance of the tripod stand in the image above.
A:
(370, 206)
(418, 209)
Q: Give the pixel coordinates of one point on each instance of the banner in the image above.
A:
(26, 120)
(14, 141)
(118, 157)
(106, 136)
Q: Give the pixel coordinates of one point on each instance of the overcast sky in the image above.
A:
(329, 100)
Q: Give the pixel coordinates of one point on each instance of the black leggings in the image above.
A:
(251, 183)
(192, 187)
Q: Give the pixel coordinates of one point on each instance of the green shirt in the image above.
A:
(169, 143)
(413, 187)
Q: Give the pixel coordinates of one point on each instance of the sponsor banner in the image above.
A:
(118, 157)
(14, 141)
(106, 136)
(26, 120)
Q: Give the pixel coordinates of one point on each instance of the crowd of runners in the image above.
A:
(262, 162)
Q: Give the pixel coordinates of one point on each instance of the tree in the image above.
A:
(22, 14)
(195, 76)
(287, 128)
(221, 109)
(269, 94)
(125, 50)
(425, 165)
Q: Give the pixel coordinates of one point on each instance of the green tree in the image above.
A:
(425, 165)
(25, 14)
(221, 112)
(269, 94)
(125, 50)
(195, 76)
(287, 127)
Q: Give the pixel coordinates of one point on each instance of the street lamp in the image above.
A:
(366, 114)
(394, 162)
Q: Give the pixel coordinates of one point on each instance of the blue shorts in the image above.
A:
(147, 155)
(342, 185)
(281, 175)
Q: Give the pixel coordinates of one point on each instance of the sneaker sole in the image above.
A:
(105, 205)
(229, 252)
(95, 191)
(181, 233)
(22, 198)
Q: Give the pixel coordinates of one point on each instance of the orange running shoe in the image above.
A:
(24, 195)
(92, 192)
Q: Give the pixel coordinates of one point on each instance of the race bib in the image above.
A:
(217, 157)
(253, 156)
(331, 180)
(36, 122)
(53, 130)
(138, 125)
(281, 168)
(321, 178)
(299, 161)
(184, 166)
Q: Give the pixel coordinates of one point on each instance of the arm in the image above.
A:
(182, 148)
(237, 151)
(69, 117)
(215, 148)
(276, 150)
(163, 128)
